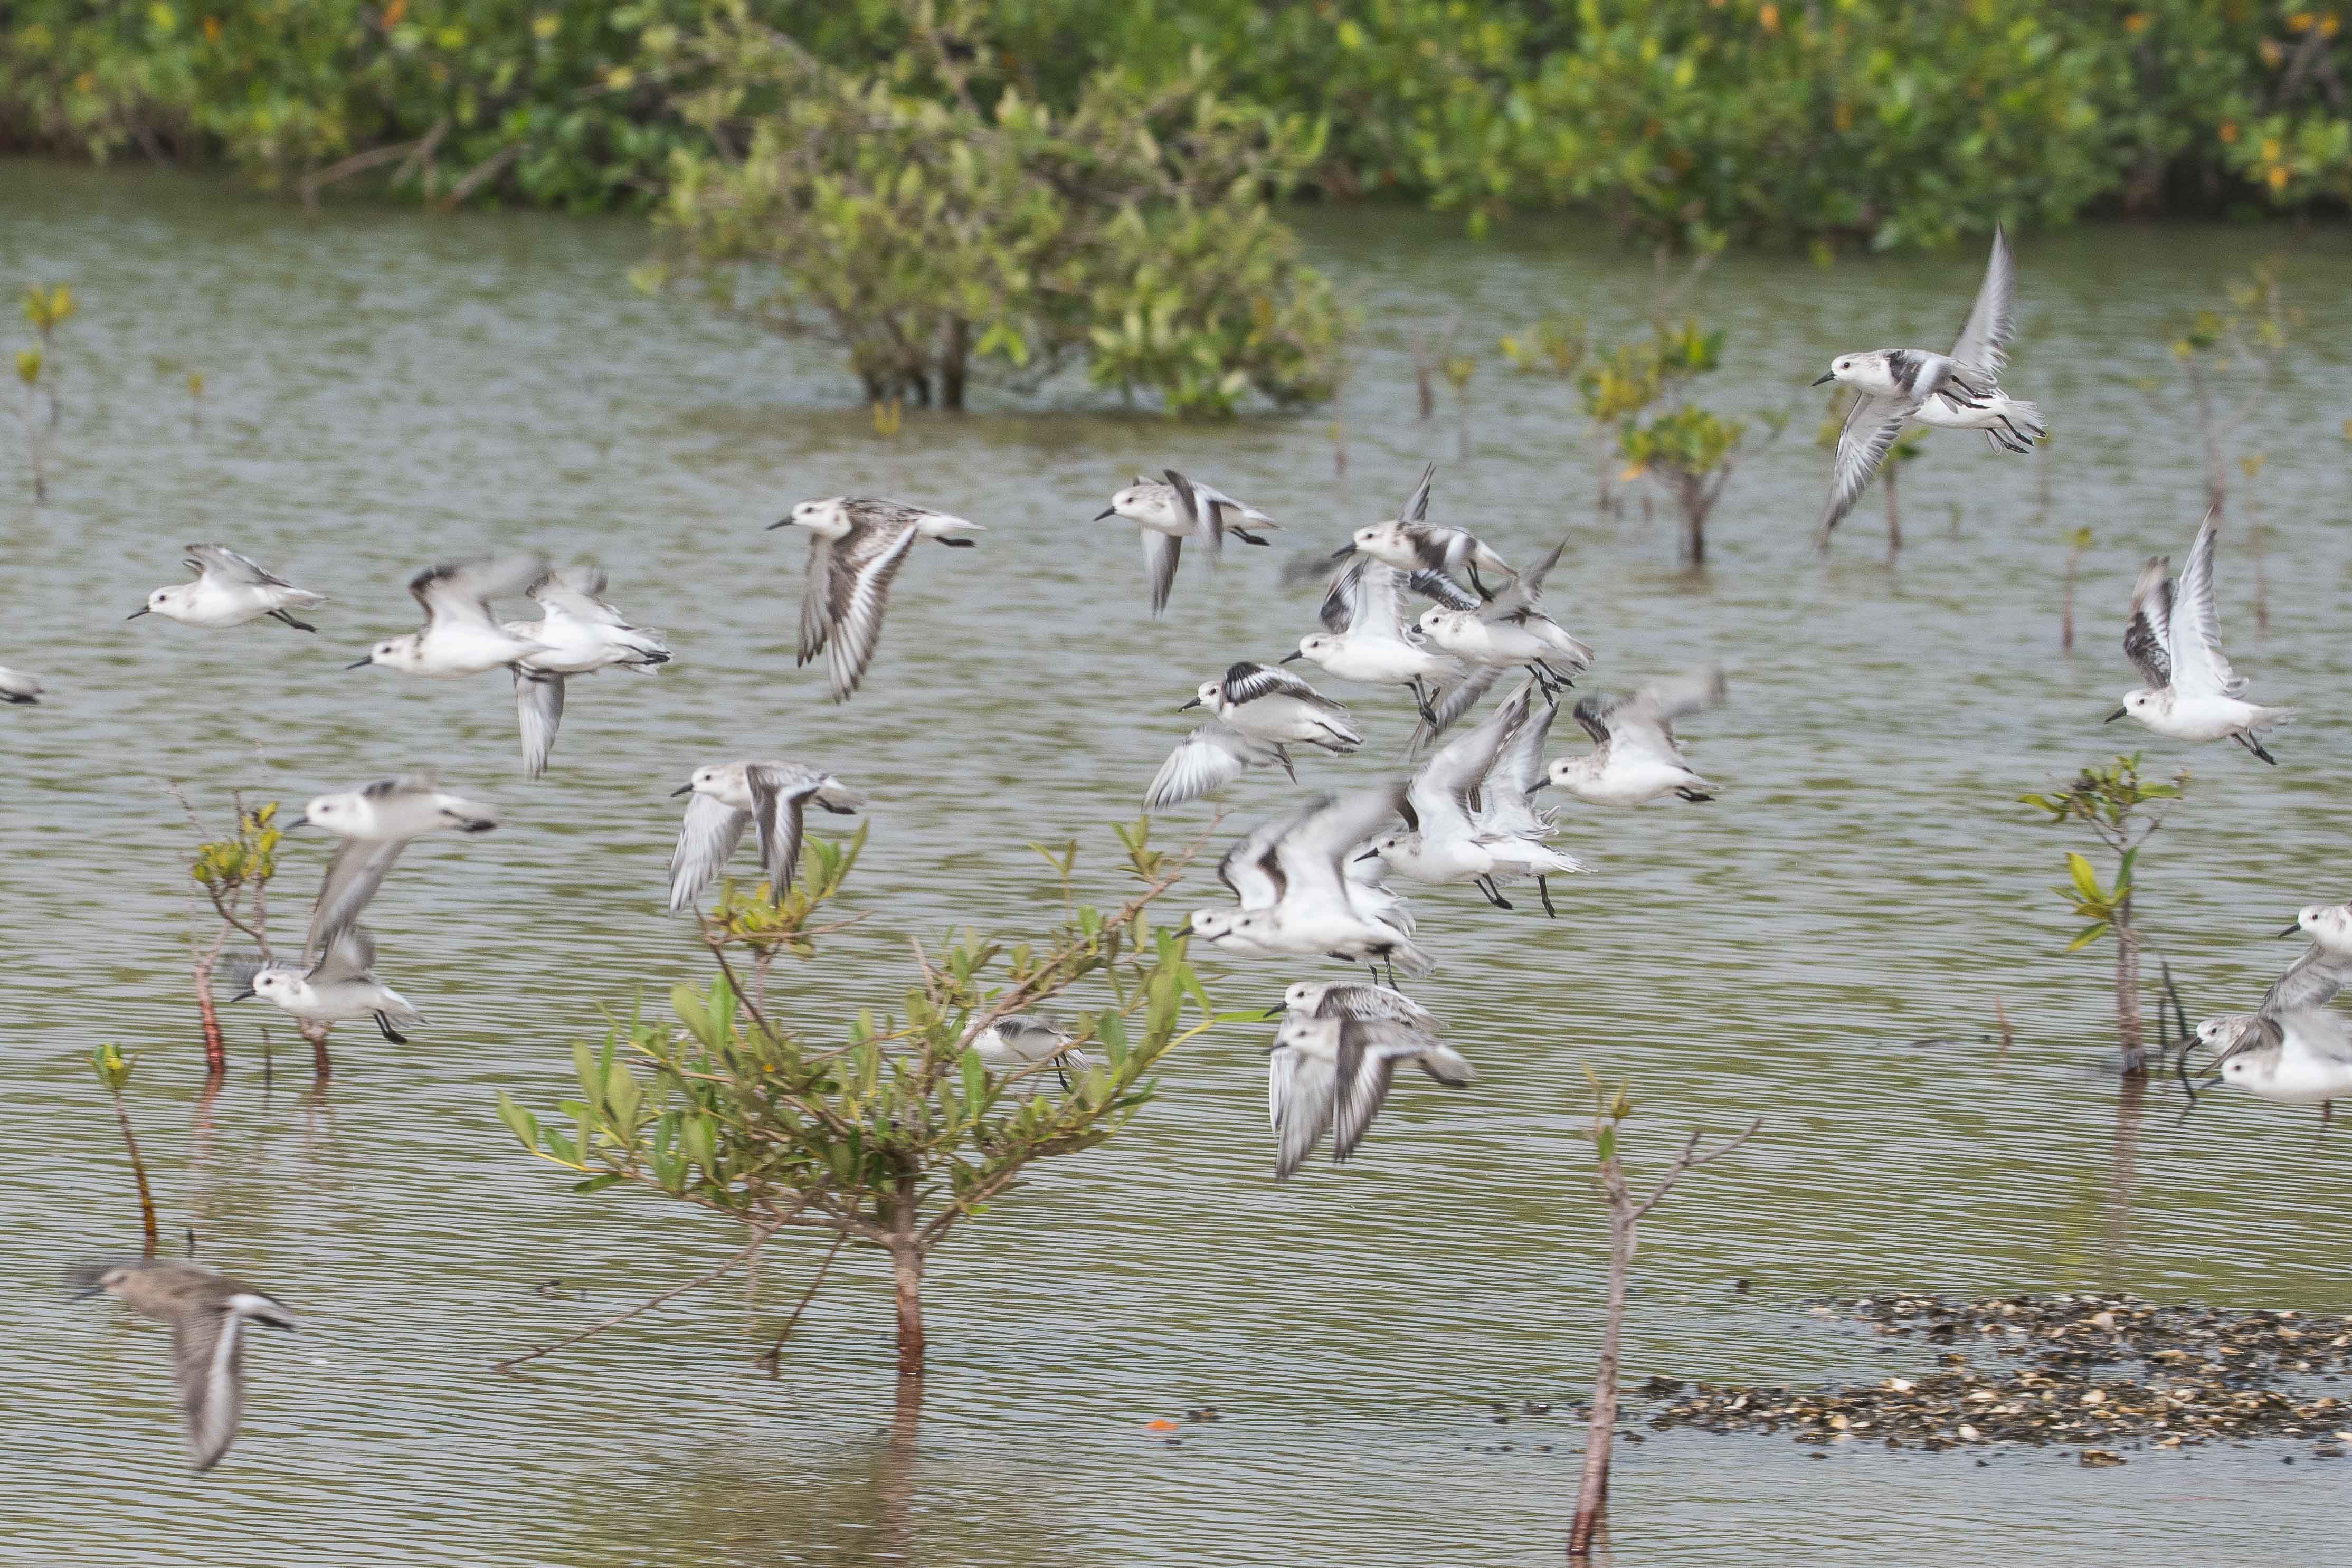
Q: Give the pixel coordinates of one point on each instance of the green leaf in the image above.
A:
(520, 1122)
(2087, 879)
(595, 1182)
(2088, 935)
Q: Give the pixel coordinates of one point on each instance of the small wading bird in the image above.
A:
(229, 591)
(856, 545)
(1334, 1059)
(340, 987)
(1635, 759)
(1959, 391)
(460, 637)
(1261, 712)
(376, 822)
(729, 796)
(1412, 544)
(1168, 513)
(19, 689)
(1369, 639)
(2295, 1055)
(208, 1312)
(2175, 638)
(578, 634)
(1019, 1041)
(1294, 895)
(1513, 632)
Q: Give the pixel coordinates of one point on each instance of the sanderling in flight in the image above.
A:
(2175, 638)
(19, 689)
(339, 988)
(2324, 968)
(1294, 896)
(1021, 1041)
(1412, 544)
(856, 546)
(460, 636)
(578, 634)
(1466, 811)
(376, 822)
(1212, 757)
(1635, 758)
(1959, 391)
(1170, 511)
(2297, 1056)
(728, 796)
(1513, 632)
(1369, 639)
(1334, 1059)
(229, 590)
(1274, 705)
(208, 1312)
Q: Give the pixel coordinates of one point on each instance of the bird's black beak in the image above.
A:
(779, 523)
(1105, 512)
(1370, 855)
(1292, 658)
(681, 790)
(361, 664)
(1189, 706)
(2114, 715)
(1344, 552)
(241, 995)
(136, 614)
(2294, 930)
(87, 1292)
(1830, 377)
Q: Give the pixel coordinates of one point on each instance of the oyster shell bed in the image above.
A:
(2088, 1372)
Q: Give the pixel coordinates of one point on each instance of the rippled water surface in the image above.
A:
(384, 388)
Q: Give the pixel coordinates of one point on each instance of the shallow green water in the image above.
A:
(384, 388)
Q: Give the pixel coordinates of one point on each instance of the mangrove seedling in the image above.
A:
(2123, 810)
(235, 873)
(2077, 541)
(46, 309)
(753, 917)
(113, 1069)
(2233, 359)
(1610, 1108)
(889, 1139)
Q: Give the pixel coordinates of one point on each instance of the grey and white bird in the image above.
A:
(2322, 970)
(856, 545)
(1412, 544)
(229, 590)
(1293, 895)
(1271, 705)
(1513, 632)
(728, 797)
(1019, 1043)
(1212, 757)
(461, 635)
(19, 689)
(2295, 1055)
(375, 822)
(1170, 511)
(1367, 638)
(1959, 391)
(1635, 758)
(2175, 639)
(1331, 1067)
(208, 1312)
(578, 634)
(339, 988)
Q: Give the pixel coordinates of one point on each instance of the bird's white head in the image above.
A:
(829, 516)
(1441, 622)
(334, 812)
(1145, 501)
(394, 652)
(708, 780)
(2328, 923)
(279, 986)
(169, 603)
(2138, 702)
(1392, 847)
(1305, 995)
(1209, 924)
(1316, 646)
(1378, 537)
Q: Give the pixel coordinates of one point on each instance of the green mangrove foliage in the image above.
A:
(113, 1071)
(1896, 123)
(933, 228)
(235, 873)
(45, 310)
(2123, 810)
(890, 1137)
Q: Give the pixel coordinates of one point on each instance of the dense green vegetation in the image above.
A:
(1879, 120)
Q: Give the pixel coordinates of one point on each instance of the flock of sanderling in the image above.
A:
(1312, 883)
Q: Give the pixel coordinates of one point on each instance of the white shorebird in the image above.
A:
(339, 988)
(1959, 391)
(2175, 638)
(1295, 894)
(1368, 641)
(2324, 968)
(2298, 1056)
(728, 796)
(229, 590)
(1212, 757)
(208, 1314)
(1167, 512)
(578, 634)
(1331, 1066)
(1513, 632)
(1021, 1041)
(1635, 759)
(1411, 543)
(460, 636)
(1453, 831)
(1275, 706)
(376, 822)
(856, 545)
(19, 689)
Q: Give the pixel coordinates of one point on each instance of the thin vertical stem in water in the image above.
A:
(2129, 1035)
(139, 1174)
(1592, 1487)
(774, 1354)
(316, 1033)
(2067, 602)
(1894, 519)
(215, 1046)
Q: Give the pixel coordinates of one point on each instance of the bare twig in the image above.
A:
(758, 1241)
(773, 1356)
